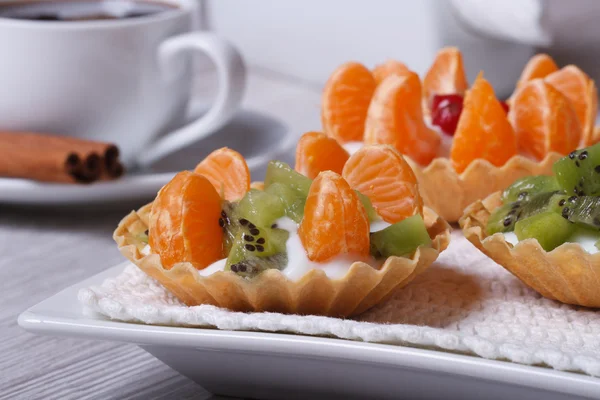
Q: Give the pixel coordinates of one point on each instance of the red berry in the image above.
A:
(446, 112)
(439, 98)
(505, 106)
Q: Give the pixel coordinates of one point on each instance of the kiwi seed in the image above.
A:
(250, 247)
(261, 241)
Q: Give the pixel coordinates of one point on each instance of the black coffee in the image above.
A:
(75, 10)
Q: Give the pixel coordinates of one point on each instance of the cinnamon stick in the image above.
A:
(52, 158)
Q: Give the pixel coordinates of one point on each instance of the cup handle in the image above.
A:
(232, 78)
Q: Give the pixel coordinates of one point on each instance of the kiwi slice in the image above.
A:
(292, 201)
(549, 228)
(292, 188)
(229, 223)
(583, 210)
(579, 172)
(366, 202)
(262, 208)
(401, 238)
(280, 172)
(256, 249)
(503, 219)
(524, 189)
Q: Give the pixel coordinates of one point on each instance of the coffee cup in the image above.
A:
(115, 71)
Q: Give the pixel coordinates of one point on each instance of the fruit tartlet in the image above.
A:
(333, 245)
(546, 229)
(458, 137)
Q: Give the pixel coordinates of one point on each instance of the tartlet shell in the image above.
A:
(568, 273)
(448, 193)
(315, 293)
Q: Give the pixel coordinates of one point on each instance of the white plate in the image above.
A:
(276, 366)
(258, 137)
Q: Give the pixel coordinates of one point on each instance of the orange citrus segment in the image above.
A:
(227, 170)
(345, 102)
(543, 120)
(382, 174)
(390, 67)
(395, 117)
(184, 222)
(581, 92)
(539, 66)
(483, 130)
(317, 152)
(335, 221)
(446, 75)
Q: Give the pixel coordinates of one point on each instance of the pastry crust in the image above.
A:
(568, 273)
(315, 293)
(448, 193)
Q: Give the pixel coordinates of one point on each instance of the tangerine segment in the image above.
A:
(317, 152)
(335, 221)
(184, 222)
(446, 75)
(581, 91)
(390, 67)
(544, 120)
(227, 170)
(395, 117)
(538, 66)
(483, 130)
(381, 173)
(346, 98)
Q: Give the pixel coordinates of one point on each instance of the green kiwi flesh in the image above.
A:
(579, 172)
(366, 202)
(549, 228)
(292, 188)
(280, 172)
(503, 219)
(256, 249)
(583, 210)
(401, 238)
(262, 208)
(526, 188)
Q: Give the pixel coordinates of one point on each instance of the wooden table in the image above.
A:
(43, 250)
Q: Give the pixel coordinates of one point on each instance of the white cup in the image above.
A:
(124, 81)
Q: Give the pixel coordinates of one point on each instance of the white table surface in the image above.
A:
(45, 250)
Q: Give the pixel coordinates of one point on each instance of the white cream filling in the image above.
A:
(299, 264)
(584, 239)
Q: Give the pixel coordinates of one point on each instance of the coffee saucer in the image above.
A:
(258, 137)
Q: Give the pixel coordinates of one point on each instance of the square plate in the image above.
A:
(276, 365)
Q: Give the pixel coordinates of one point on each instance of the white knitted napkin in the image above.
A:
(464, 302)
